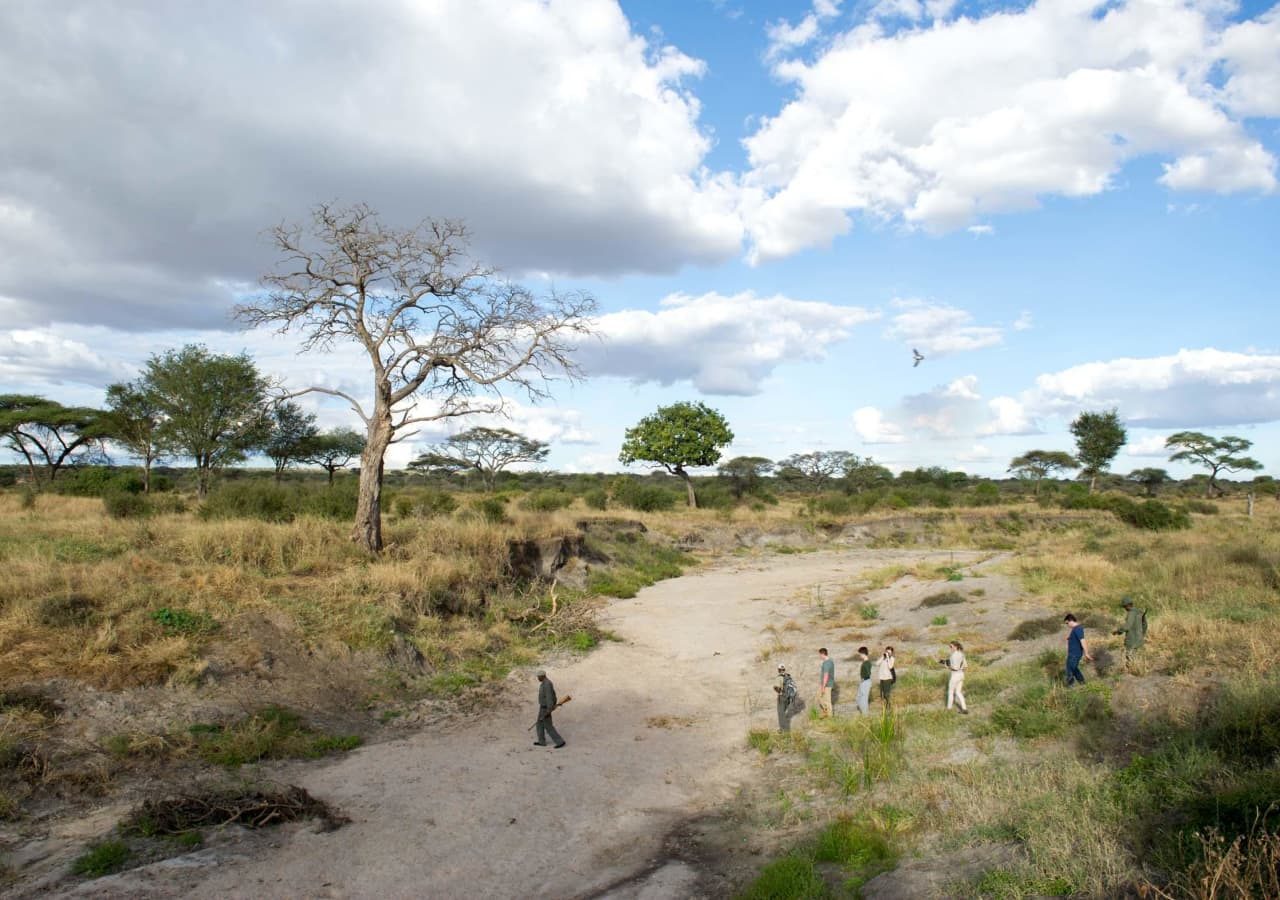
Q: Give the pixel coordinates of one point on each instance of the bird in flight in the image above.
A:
(918, 357)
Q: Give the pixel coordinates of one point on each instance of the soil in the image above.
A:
(640, 802)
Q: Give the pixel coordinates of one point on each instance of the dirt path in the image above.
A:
(471, 809)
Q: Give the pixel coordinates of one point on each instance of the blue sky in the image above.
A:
(1063, 206)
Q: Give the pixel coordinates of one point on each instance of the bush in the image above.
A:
(643, 497)
(944, 598)
(102, 858)
(124, 505)
(98, 481)
(831, 505)
(249, 500)
(546, 501)
(597, 498)
(986, 494)
(271, 733)
(790, 878)
(67, 611)
(491, 509)
(715, 496)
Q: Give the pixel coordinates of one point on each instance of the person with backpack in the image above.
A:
(1134, 630)
(956, 665)
(865, 680)
(887, 674)
(788, 699)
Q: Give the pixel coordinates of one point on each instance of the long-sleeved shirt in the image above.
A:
(1133, 635)
(546, 696)
(956, 661)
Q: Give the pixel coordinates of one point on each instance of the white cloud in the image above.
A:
(722, 344)
(1150, 445)
(1024, 322)
(872, 427)
(149, 145)
(945, 123)
(937, 329)
(981, 230)
(976, 453)
(39, 358)
(1008, 416)
(785, 37)
(1251, 54)
(1187, 389)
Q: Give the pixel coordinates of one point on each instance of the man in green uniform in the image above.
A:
(1134, 630)
(546, 704)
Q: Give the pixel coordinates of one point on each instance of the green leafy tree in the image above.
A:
(1150, 478)
(1099, 437)
(291, 432)
(49, 435)
(213, 407)
(1037, 464)
(745, 474)
(333, 450)
(435, 325)
(864, 474)
(1215, 454)
(134, 419)
(485, 451)
(676, 438)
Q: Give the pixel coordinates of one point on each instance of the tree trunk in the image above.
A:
(329, 469)
(688, 486)
(202, 481)
(1251, 504)
(146, 475)
(368, 526)
(1093, 481)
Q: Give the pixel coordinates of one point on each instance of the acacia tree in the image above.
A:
(291, 432)
(134, 419)
(333, 450)
(1036, 464)
(1150, 479)
(213, 407)
(817, 469)
(1099, 437)
(434, 324)
(678, 437)
(48, 434)
(744, 474)
(1215, 454)
(484, 450)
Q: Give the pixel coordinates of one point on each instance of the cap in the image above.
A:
(1127, 601)
(542, 673)
(782, 670)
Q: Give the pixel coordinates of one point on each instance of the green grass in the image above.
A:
(102, 858)
(942, 598)
(270, 733)
(1003, 884)
(869, 612)
(183, 621)
(789, 878)
(938, 620)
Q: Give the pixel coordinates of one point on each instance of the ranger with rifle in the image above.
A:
(546, 705)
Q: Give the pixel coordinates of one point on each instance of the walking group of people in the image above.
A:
(883, 671)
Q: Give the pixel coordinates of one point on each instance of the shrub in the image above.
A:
(986, 494)
(943, 598)
(491, 509)
(1203, 507)
(790, 878)
(28, 497)
(1031, 629)
(715, 496)
(643, 497)
(99, 481)
(125, 505)
(249, 500)
(596, 498)
(270, 733)
(831, 505)
(938, 620)
(546, 501)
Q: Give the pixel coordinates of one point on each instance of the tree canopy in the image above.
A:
(1099, 437)
(745, 474)
(486, 451)
(1036, 464)
(333, 450)
(291, 431)
(213, 407)
(676, 438)
(135, 419)
(441, 333)
(1149, 478)
(1215, 454)
(49, 435)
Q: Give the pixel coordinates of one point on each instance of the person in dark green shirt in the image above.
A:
(1134, 630)
(864, 680)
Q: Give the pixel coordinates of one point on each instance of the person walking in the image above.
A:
(826, 683)
(864, 680)
(1077, 647)
(1134, 631)
(887, 674)
(546, 705)
(788, 697)
(956, 665)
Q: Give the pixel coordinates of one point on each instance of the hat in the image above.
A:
(542, 673)
(1127, 601)
(782, 670)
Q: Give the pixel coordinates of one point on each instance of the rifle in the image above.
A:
(550, 711)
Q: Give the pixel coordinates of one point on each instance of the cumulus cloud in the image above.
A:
(148, 145)
(722, 344)
(872, 428)
(1024, 322)
(1188, 389)
(942, 123)
(937, 329)
(785, 37)
(953, 411)
(38, 358)
(1147, 446)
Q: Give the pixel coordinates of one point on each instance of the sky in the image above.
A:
(1063, 205)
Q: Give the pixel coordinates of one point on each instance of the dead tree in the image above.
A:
(441, 332)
